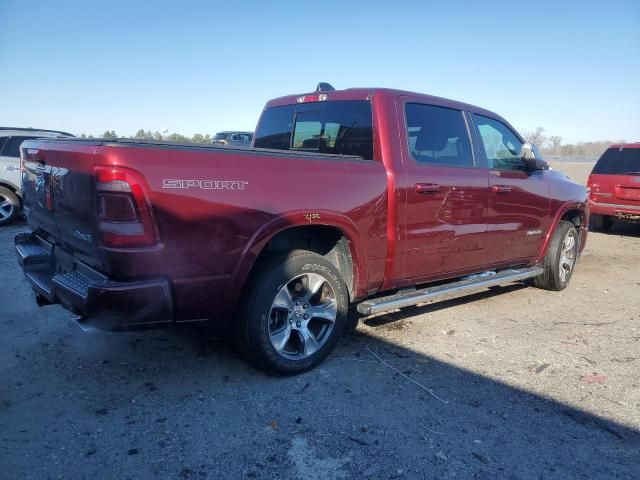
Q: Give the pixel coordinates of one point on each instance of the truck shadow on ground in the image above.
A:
(177, 404)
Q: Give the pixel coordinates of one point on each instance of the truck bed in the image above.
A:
(214, 207)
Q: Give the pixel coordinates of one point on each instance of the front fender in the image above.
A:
(269, 230)
(583, 208)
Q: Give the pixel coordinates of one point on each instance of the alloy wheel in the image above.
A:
(302, 316)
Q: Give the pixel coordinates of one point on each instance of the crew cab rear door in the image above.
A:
(518, 214)
(446, 193)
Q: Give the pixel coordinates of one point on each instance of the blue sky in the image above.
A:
(570, 67)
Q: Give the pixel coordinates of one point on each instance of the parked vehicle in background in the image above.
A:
(235, 139)
(614, 186)
(10, 192)
(344, 196)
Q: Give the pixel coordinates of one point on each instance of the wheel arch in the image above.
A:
(574, 212)
(14, 188)
(333, 236)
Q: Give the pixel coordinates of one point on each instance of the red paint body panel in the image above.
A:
(209, 238)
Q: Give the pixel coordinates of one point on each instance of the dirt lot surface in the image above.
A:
(511, 383)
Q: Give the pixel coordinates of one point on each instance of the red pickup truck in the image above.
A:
(370, 197)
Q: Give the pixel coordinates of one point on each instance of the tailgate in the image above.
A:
(616, 189)
(627, 188)
(59, 194)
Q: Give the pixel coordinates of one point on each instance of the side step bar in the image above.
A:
(446, 291)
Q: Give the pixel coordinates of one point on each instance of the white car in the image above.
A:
(10, 194)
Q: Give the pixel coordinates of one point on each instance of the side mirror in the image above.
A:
(532, 158)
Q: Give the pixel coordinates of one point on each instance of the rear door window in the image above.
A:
(339, 128)
(438, 136)
(616, 161)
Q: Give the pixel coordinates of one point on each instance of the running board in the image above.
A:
(447, 291)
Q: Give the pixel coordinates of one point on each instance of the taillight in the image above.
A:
(124, 213)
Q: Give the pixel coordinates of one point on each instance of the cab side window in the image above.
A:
(438, 136)
(501, 146)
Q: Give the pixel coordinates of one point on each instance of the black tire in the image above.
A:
(552, 278)
(11, 208)
(253, 330)
(601, 223)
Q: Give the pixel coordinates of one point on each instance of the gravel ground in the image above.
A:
(511, 383)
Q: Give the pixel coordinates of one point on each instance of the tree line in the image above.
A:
(552, 146)
(149, 135)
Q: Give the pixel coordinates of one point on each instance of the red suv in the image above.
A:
(614, 186)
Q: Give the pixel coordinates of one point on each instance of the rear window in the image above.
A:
(339, 128)
(618, 162)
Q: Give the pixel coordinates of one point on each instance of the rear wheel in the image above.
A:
(9, 206)
(601, 223)
(560, 259)
(294, 312)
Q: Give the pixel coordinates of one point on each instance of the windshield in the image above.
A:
(616, 161)
(220, 136)
(339, 127)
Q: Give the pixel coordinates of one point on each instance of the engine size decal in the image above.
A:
(174, 183)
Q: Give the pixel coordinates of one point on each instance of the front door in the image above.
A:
(446, 195)
(518, 215)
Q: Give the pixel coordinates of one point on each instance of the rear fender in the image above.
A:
(261, 238)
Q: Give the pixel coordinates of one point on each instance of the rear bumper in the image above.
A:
(58, 277)
(624, 212)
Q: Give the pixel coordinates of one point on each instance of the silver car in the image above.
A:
(10, 194)
(236, 139)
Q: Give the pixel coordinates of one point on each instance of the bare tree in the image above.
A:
(554, 144)
(536, 137)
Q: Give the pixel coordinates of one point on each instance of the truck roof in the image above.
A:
(370, 93)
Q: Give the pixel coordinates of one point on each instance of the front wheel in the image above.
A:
(293, 314)
(561, 258)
